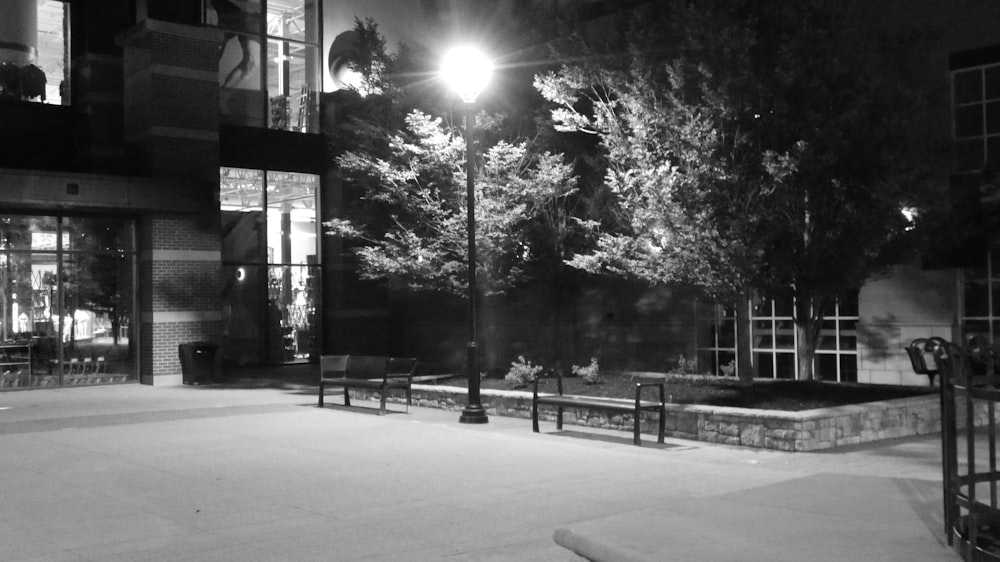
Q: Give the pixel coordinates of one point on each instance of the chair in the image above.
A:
(100, 365)
(88, 366)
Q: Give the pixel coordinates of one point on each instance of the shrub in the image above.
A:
(684, 366)
(522, 372)
(591, 374)
(729, 369)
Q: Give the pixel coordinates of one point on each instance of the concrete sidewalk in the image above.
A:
(134, 472)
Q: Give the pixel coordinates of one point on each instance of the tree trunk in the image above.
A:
(744, 363)
(806, 332)
(557, 313)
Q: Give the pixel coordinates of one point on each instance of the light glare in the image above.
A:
(466, 70)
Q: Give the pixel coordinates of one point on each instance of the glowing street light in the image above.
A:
(467, 70)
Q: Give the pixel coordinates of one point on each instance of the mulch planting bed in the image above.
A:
(765, 395)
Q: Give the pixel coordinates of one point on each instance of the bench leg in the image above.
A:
(409, 399)
(559, 413)
(635, 428)
(381, 405)
(347, 396)
(663, 425)
(320, 394)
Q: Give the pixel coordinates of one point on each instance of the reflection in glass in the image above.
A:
(241, 189)
(293, 19)
(784, 337)
(269, 64)
(235, 15)
(716, 332)
(848, 368)
(69, 310)
(828, 335)
(19, 232)
(784, 365)
(763, 365)
(291, 217)
(97, 234)
(291, 297)
(242, 314)
(292, 86)
(848, 335)
(826, 367)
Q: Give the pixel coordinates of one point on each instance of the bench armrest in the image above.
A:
(640, 385)
(400, 367)
(559, 384)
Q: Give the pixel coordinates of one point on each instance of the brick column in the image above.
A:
(172, 101)
(172, 132)
(179, 268)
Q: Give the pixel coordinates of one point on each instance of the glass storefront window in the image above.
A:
(291, 217)
(33, 53)
(243, 314)
(235, 15)
(241, 197)
(291, 297)
(269, 218)
(291, 86)
(269, 67)
(27, 233)
(981, 300)
(716, 338)
(293, 19)
(775, 341)
(97, 235)
(66, 301)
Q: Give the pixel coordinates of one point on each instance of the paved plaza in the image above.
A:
(134, 472)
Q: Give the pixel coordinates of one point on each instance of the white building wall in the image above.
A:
(909, 303)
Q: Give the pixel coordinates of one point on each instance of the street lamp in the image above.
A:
(467, 70)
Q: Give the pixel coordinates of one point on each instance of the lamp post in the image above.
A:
(467, 70)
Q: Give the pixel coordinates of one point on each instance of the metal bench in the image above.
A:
(636, 407)
(367, 371)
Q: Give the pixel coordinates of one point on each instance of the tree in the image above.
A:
(417, 185)
(752, 145)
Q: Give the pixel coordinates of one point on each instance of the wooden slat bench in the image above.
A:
(561, 402)
(367, 371)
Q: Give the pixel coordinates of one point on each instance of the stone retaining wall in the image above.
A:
(807, 430)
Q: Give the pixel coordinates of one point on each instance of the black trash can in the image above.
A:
(197, 362)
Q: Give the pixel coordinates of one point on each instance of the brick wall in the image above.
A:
(179, 269)
(172, 105)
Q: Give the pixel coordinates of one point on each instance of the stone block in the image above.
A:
(779, 444)
(729, 428)
(782, 434)
(808, 424)
(752, 435)
(687, 422)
